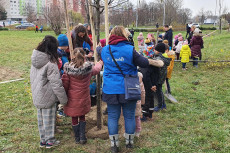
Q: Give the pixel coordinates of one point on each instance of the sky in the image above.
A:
(197, 5)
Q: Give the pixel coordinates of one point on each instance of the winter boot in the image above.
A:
(114, 143)
(83, 138)
(129, 140)
(76, 129)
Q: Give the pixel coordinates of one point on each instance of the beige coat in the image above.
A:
(46, 84)
(142, 101)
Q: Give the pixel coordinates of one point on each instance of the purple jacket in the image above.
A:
(196, 45)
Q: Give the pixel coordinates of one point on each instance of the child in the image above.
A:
(178, 47)
(171, 55)
(76, 81)
(166, 42)
(151, 38)
(63, 46)
(47, 89)
(140, 39)
(36, 28)
(149, 48)
(185, 53)
(158, 78)
(196, 45)
(138, 106)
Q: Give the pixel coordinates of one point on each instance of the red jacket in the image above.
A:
(76, 82)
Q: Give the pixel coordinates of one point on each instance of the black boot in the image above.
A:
(83, 138)
(76, 129)
(129, 140)
(114, 143)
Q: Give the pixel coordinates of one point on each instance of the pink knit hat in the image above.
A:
(176, 37)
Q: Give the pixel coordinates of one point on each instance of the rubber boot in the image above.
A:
(114, 143)
(129, 140)
(76, 129)
(83, 138)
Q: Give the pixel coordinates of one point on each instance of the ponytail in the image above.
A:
(78, 57)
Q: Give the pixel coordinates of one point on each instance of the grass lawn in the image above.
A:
(200, 122)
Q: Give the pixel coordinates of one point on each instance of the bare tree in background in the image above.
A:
(183, 15)
(30, 13)
(98, 5)
(55, 18)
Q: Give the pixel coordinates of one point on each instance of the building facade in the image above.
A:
(17, 9)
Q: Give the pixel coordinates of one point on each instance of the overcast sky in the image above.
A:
(196, 5)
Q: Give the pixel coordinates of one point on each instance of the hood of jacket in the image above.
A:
(185, 47)
(171, 53)
(85, 69)
(39, 59)
(113, 39)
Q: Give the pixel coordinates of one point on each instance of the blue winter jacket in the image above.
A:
(62, 54)
(113, 79)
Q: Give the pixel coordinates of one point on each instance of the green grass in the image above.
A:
(200, 122)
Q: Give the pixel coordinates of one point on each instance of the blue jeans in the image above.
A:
(114, 112)
(183, 65)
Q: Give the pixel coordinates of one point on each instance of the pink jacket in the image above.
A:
(76, 82)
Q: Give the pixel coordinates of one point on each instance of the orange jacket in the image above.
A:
(171, 55)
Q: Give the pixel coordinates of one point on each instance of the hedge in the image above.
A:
(207, 28)
(3, 29)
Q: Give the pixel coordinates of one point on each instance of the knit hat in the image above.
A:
(165, 41)
(180, 38)
(160, 47)
(197, 31)
(63, 40)
(176, 37)
(147, 41)
(149, 51)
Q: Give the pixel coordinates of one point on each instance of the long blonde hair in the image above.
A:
(78, 57)
(119, 31)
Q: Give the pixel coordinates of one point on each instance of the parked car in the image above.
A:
(195, 24)
(25, 25)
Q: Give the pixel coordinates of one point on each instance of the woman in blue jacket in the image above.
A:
(113, 87)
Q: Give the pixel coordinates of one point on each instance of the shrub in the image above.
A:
(3, 29)
(207, 28)
(45, 28)
(30, 29)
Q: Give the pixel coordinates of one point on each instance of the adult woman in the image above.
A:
(113, 86)
(191, 34)
(80, 37)
(196, 45)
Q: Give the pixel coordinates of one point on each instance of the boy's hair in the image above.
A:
(119, 31)
(166, 47)
(166, 26)
(165, 41)
(49, 46)
(78, 57)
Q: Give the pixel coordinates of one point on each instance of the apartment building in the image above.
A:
(16, 9)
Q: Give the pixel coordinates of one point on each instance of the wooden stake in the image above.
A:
(106, 22)
(68, 29)
(98, 78)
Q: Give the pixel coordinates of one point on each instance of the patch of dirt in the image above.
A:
(9, 74)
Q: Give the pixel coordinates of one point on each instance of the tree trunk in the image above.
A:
(98, 20)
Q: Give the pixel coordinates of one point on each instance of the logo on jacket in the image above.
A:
(121, 59)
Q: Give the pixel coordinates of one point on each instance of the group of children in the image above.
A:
(55, 78)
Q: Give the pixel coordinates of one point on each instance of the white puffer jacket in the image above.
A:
(46, 84)
(179, 46)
